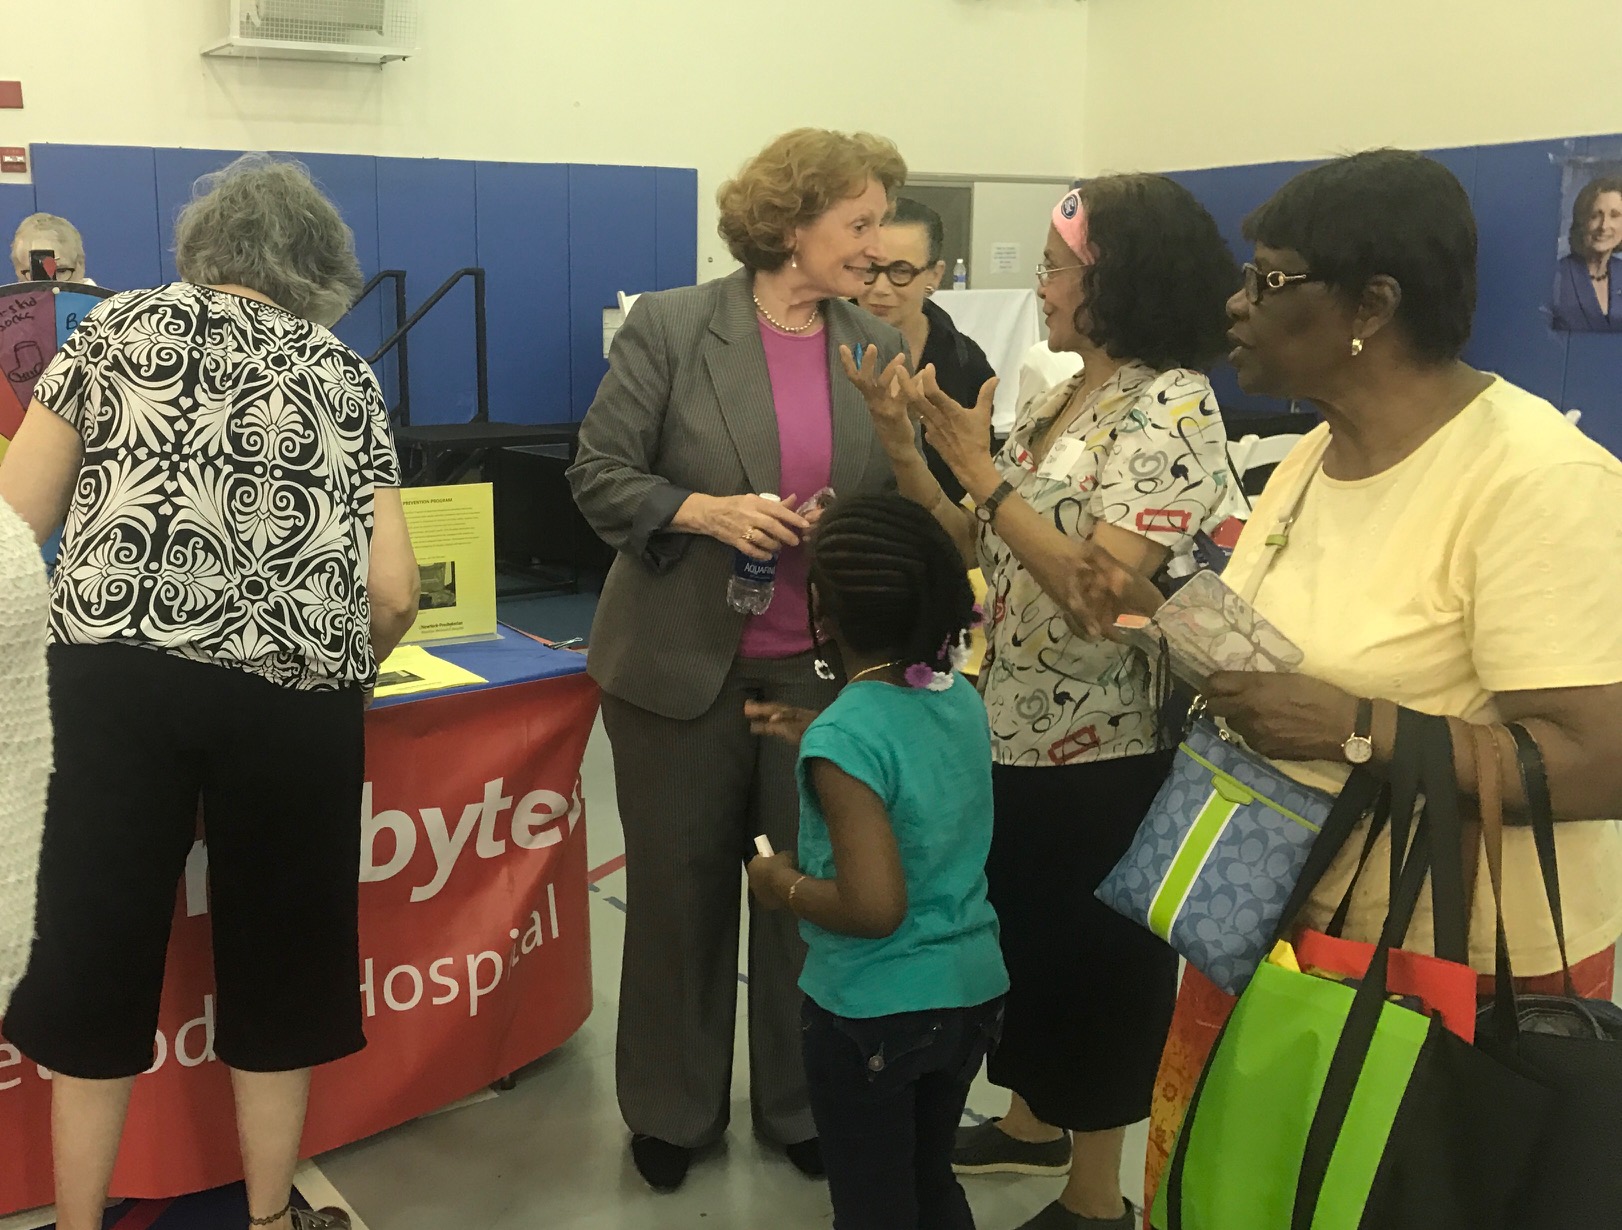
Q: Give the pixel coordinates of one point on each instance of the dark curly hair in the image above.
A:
(1587, 197)
(1388, 212)
(1159, 289)
(887, 574)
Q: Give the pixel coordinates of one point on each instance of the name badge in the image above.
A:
(1063, 461)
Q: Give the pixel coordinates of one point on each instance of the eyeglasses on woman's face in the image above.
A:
(1046, 269)
(900, 273)
(1259, 284)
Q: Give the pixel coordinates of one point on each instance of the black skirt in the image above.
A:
(1092, 994)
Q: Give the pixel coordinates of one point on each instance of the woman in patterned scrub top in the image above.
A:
(234, 563)
(1129, 457)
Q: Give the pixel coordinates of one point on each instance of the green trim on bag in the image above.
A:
(1260, 1096)
(1186, 864)
(1222, 773)
(1367, 1131)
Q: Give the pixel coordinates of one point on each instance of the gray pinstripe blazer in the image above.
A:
(687, 407)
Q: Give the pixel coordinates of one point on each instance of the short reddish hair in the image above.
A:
(794, 181)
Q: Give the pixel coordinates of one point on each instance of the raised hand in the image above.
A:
(962, 436)
(884, 390)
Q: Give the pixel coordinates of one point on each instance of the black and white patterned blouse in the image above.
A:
(223, 511)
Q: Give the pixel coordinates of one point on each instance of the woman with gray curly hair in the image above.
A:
(234, 563)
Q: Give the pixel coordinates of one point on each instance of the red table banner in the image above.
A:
(476, 958)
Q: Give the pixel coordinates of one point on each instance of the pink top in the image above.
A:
(803, 399)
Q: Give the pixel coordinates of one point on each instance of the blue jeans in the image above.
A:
(887, 1094)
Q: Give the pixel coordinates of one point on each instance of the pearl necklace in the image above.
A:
(777, 324)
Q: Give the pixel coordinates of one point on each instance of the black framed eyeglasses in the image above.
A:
(1258, 284)
(900, 273)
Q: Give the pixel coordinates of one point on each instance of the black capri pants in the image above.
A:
(1091, 994)
(142, 737)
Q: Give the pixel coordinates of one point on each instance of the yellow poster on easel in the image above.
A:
(453, 534)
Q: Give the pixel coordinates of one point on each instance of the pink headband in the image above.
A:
(1070, 220)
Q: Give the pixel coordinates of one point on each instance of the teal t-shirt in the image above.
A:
(927, 755)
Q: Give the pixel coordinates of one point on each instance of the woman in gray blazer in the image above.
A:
(715, 394)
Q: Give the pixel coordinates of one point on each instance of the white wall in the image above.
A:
(1177, 84)
(612, 81)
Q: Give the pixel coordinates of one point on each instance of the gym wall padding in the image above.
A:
(676, 222)
(548, 280)
(612, 247)
(523, 236)
(110, 193)
(427, 224)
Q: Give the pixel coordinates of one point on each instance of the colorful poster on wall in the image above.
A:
(35, 319)
(1588, 253)
(453, 533)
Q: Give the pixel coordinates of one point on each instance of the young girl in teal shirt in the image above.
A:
(904, 978)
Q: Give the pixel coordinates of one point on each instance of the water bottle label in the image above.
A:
(756, 571)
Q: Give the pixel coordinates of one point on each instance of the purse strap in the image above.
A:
(1490, 795)
(1279, 538)
(1540, 814)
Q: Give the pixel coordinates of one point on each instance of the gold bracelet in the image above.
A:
(792, 889)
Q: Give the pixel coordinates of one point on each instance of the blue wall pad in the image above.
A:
(676, 227)
(612, 247)
(523, 242)
(426, 224)
(110, 193)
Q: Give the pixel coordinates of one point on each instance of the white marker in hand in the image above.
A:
(764, 845)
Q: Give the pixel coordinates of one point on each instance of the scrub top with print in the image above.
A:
(1147, 453)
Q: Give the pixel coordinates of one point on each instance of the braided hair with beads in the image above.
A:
(892, 581)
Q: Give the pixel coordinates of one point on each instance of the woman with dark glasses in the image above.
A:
(898, 293)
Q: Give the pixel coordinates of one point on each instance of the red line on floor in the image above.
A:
(606, 870)
(142, 1215)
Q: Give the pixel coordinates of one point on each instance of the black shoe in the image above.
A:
(807, 1158)
(661, 1164)
(1057, 1217)
(987, 1149)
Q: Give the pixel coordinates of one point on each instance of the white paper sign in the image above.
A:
(1005, 258)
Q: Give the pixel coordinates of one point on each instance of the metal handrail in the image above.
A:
(402, 409)
(480, 349)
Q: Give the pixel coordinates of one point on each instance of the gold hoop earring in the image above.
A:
(1357, 346)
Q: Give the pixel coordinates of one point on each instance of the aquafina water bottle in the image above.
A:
(749, 588)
